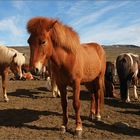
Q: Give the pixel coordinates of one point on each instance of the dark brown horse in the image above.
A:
(109, 79)
(10, 58)
(72, 63)
(127, 65)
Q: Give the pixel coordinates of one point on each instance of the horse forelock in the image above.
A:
(61, 35)
(38, 24)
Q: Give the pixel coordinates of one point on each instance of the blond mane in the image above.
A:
(61, 35)
(7, 54)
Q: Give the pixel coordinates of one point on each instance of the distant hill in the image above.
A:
(112, 51)
(129, 46)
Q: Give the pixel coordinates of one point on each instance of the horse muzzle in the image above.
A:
(35, 72)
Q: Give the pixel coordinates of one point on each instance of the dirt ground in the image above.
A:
(33, 114)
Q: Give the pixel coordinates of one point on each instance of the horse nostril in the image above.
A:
(36, 70)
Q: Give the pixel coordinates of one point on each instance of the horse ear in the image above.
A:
(24, 54)
(15, 55)
(52, 24)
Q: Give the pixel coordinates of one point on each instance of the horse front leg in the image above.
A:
(4, 85)
(76, 105)
(128, 96)
(135, 92)
(64, 104)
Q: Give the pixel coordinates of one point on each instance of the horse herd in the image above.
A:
(71, 64)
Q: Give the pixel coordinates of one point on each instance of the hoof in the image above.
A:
(127, 101)
(6, 100)
(98, 118)
(63, 129)
(78, 133)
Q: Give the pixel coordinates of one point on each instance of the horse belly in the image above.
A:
(91, 70)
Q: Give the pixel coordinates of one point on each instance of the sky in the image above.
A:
(106, 22)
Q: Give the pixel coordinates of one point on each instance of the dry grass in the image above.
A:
(113, 52)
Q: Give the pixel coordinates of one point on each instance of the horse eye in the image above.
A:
(43, 42)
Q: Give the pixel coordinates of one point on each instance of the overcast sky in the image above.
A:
(104, 21)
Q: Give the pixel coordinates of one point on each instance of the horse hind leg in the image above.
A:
(96, 93)
(135, 92)
(77, 106)
(135, 83)
(91, 88)
(92, 107)
(6, 99)
(99, 96)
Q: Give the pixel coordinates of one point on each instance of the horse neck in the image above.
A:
(55, 58)
(59, 57)
(6, 58)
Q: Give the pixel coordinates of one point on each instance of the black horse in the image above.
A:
(127, 65)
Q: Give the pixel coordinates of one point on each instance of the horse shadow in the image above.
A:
(112, 128)
(28, 93)
(117, 103)
(136, 112)
(21, 117)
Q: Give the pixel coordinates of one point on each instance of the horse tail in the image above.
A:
(123, 67)
(103, 69)
(123, 90)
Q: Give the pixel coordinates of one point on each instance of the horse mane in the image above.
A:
(7, 55)
(19, 58)
(60, 34)
(135, 55)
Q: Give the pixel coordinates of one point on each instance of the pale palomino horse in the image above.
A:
(73, 64)
(10, 59)
(127, 65)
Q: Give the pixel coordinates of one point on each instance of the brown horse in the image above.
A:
(10, 58)
(72, 63)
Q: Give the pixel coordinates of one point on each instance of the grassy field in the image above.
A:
(113, 52)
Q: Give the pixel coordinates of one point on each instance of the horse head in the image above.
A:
(39, 43)
(16, 64)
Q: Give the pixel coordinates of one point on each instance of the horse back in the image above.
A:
(97, 52)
